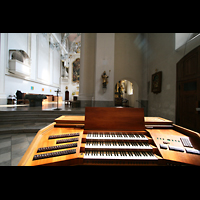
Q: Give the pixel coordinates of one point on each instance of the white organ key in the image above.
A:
(121, 155)
(115, 135)
(117, 145)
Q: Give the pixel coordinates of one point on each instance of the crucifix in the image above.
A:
(57, 91)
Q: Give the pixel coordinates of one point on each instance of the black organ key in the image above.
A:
(125, 135)
(89, 134)
(119, 155)
(113, 134)
(144, 154)
(95, 134)
(136, 135)
(131, 135)
(142, 136)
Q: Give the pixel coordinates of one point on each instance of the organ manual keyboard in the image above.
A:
(113, 136)
(117, 136)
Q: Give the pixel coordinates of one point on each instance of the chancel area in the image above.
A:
(154, 78)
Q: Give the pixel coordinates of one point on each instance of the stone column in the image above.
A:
(105, 51)
(87, 68)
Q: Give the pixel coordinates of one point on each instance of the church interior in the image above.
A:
(44, 76)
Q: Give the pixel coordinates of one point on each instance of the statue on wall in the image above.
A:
(76, 70)
(105, 81)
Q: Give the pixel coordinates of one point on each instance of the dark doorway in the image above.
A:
(188, 91)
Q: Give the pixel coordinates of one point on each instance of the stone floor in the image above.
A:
(21, 127)
(13, 146)
(15, 138)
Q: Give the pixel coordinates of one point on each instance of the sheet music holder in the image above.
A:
(100, 118)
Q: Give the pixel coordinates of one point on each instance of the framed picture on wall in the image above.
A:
(156, 82)
(76, 70)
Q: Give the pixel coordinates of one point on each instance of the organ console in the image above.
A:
(113, 136)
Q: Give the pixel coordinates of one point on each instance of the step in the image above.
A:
(29, 116)
(38, 114)
(29, 128)
(30, 121)
(26, 120)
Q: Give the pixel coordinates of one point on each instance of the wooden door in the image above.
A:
(188, 91)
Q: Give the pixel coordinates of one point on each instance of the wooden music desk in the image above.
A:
(54, 138)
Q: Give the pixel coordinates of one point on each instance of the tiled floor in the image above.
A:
(15, 138)
(21, 127)
(13, 146)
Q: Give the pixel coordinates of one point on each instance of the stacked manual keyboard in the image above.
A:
(118, 147)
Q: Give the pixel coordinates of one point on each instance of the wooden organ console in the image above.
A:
(113, 136)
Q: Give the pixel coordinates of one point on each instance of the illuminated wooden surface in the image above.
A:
(110, 118)
(157, 121)
(41, 140)
(26, 158)
(160, 135)
(81, 120)
(70, 119)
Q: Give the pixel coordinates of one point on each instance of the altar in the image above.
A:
(35, 100)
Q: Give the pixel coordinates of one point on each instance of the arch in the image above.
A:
(133, 100)
(16, 55)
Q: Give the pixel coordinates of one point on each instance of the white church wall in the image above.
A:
(56, 68)
(163, 57)
(129, 63)
(97, 56)
(25, 87)
(103, 52)
(18, 41)
(105, 44)
(45, 64)
(33, 56)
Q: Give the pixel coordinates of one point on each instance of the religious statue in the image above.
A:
(105, 81)
(119, 89)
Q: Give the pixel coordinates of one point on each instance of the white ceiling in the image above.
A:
(72, 36)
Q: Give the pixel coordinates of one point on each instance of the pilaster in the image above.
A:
(3, 60)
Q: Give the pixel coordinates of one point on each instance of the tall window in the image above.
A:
(182, 38)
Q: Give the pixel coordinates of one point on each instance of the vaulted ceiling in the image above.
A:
(72, 41)
(72, 37)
